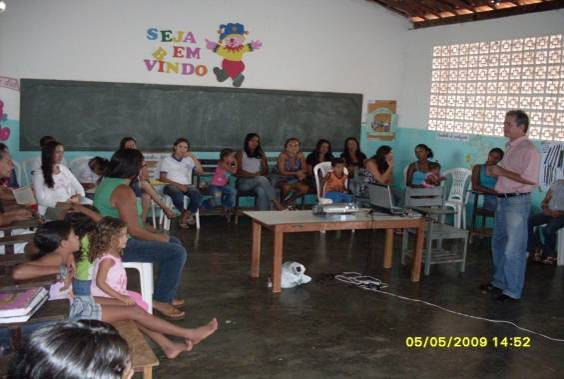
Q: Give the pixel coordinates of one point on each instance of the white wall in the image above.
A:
(414, 100)
(316, 45)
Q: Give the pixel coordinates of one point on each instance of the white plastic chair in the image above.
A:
(165, 221)
(145, 279)
(457, 196)
(76, 164)
(319, 172)
(26, 170)
(18, 169)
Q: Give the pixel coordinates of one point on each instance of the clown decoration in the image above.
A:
(231, 47)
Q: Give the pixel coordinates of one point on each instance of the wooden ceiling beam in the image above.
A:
(496, 13)
(386, 4)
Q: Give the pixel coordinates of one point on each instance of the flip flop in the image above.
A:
(172, 316)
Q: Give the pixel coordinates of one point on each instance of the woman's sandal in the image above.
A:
(549, 261)
(173, 315)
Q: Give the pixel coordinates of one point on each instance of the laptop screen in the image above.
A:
(380, 196)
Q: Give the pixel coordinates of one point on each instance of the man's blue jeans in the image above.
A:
(509, 244)
(170, 258)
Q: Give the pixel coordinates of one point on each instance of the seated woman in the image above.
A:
(484, 183)
(290, 172)
(354, 158)
(13, 213)
(176, 170)
(114, 197)
(54, 184)
(252, 171)
(322, 153)
(143, 188)
(553, 216)
(128, 143)
(417, 171)
(12, 180)
(379, 169)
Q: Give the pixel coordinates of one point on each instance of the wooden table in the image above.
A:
(280, 222)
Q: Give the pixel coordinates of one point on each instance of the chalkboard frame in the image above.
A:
(29, 125)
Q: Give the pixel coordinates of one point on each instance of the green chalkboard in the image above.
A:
(96, 115)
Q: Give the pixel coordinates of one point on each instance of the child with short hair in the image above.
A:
(109, 278)
(433, 178)
(335, 186)
(57, 242)
(221, 192)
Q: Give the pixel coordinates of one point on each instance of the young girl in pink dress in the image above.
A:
(109, 278)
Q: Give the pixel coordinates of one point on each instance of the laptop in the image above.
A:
(381, 197)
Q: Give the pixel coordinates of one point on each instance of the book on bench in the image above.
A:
(19, 306)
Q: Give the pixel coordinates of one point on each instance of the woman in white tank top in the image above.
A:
(252, 172)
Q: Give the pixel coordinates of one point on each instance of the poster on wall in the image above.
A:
(9, 105)
(552, 164)
(381, 120)
(231, 47)
(176, 52)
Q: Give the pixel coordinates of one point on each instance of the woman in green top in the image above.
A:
(114, 197)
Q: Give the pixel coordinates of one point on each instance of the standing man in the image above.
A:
(517, 175)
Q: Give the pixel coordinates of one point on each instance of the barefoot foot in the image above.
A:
(198, 334)
(175, 348)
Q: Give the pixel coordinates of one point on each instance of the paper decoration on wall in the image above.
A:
(381, 120)
(4, 132)
(231, 47)
(552, 164)
(177, 53)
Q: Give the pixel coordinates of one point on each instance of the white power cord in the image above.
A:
(370, 283)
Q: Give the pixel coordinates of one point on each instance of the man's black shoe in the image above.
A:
(488, 288)
(504, 298)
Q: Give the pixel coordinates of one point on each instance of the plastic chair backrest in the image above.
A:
(26, 170)
(18, 169)
(459, 183)
(76, 164)
(424, 197)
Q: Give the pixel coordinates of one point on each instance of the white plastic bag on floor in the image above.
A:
(293, 274)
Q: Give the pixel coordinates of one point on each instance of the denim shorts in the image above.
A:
(85, 308)
(81, 287)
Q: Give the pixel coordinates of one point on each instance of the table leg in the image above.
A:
(277, 261)
(255, 253)
(389, 248)
(416, 270)
(148, 373)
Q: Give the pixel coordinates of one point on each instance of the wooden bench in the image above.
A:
(143, 359)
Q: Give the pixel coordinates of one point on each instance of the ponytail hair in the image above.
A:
(47, 161)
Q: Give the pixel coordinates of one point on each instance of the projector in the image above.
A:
(335, 209)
